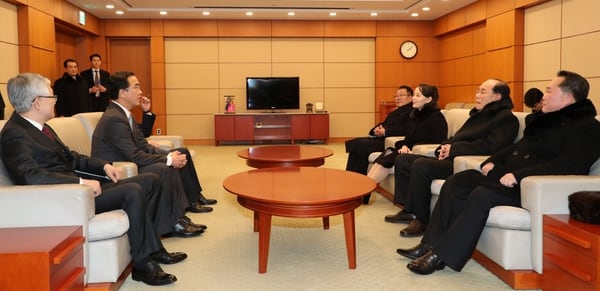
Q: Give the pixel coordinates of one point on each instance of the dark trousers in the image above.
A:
(138, 196)
(189, 177)
(461, 212)
(175, 200)
(358, 150)
(413, 177)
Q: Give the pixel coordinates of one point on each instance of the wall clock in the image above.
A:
(408, 49)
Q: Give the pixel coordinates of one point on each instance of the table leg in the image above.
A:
(325, 222)
(255, 225)
(350, 238)
(264, 236)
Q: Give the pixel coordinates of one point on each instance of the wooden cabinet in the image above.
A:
(292, 127)
(42, 258)
(571, 254)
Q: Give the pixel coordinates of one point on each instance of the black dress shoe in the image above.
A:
(205, 201)
(196, 207)
(184, 230)
(415, 228)
(400, 217)
(190, 222)
(414, 252)
(165, 257)
(152, 274)
(426, 264)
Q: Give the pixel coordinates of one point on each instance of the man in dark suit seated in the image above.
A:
(34, 154)
(564, 139)
(117, 137)
(360, 148)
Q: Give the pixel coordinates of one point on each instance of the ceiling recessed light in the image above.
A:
(163, 13)
(206, 13)
(414, 14)
(249, 13)
(291, 13)
(332, 14)
(110, 6)
(425, 8)
(374, 14)
(119, 12)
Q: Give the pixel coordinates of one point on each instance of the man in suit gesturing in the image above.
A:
(118, 138)
(97, 80)
(34, 154)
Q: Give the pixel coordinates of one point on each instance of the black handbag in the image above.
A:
(585, 206)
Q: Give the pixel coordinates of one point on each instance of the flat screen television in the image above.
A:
(272, 93)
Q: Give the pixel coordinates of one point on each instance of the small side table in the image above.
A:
(42, 258)
(571, 254)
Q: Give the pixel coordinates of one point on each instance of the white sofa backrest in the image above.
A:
(456, 118)
(72, 133)
(89, 120)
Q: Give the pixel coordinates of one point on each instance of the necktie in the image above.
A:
(131, 122)
(97, 81)
(47, 132)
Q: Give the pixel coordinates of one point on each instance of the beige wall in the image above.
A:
(562, 35)
(9, 49)
(340, 72)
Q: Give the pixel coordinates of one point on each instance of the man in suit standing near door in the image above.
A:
(97, 80)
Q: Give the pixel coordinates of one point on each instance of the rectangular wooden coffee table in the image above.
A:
(299, 192)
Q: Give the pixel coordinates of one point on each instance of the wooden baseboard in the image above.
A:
(110, 286)
(516, 279)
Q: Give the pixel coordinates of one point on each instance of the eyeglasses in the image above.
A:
(402, 95)
(136, 87)
(47, 96)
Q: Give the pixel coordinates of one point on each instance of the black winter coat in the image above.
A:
(425, 126)
(564, 142)
(485, 132)
(395, 122)
(72, 95)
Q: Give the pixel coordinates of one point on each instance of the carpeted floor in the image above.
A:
(302, 255)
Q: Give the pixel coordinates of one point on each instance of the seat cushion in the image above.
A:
(509, 217)
(108, 225)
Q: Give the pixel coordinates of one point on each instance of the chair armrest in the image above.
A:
(542, 195)
(390, 141)
(46, 205)
(129, 169)
(462, 163)
(425, 149)
(176, 141)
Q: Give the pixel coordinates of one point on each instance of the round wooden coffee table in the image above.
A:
(284, 156)
(299, 192)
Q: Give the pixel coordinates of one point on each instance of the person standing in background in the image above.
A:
(71, 90)
(97, 80)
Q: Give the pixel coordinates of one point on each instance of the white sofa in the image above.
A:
(106, 251)
(511, 243)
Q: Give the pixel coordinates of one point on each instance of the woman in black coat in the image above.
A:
(426, 125)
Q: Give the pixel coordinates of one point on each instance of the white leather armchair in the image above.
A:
(106, 251)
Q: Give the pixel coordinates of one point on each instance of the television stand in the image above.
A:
(271, 127)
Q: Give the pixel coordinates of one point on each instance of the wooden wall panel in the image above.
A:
(500, 31)
(497, 7)
(183, 28)
(475, 12)
(244, 28)
(404, 28)
(456, 19)
(350, 28)
(288, 28)
(127, 28)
